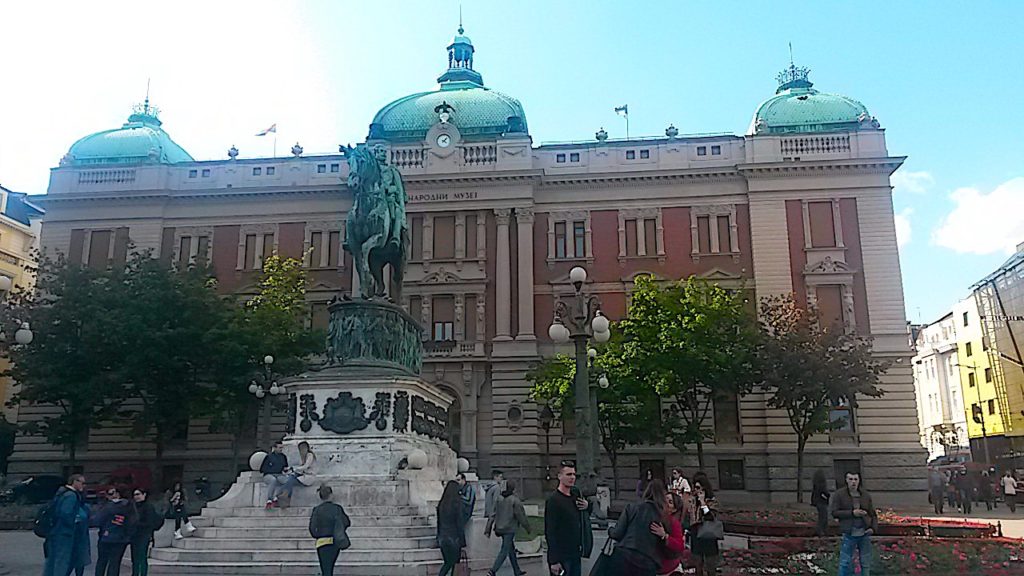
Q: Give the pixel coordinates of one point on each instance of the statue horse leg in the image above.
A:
(370, 288)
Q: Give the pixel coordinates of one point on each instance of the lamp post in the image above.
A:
(981, 409)
(259, 387)
(547, 418)
(595, 383)
(579, 318)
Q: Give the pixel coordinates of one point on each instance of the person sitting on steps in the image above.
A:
(298, 474)
(275, 473)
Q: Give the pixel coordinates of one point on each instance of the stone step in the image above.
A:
(303, 521)
(161, 568)
(303, 532)
(352, 511)
(302, 543)
(181, 555)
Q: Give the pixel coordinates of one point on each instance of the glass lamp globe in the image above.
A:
(275, 389)
(602, 336)
(600, 323)
(268, 359)
(253, 388)
(260, 393)
(591, 353)
(558, 332)
(603, 381)
(5, 283)
(24, 336)
(577, 275)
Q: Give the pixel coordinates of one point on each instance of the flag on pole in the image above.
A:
(272, 129)
(624, 109)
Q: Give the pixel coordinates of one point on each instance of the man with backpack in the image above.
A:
(64, 522)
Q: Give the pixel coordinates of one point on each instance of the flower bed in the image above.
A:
(781, 523)
(900, 556)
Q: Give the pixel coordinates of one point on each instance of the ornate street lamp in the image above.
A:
(259, 387)
(547, 419)
(579, 318)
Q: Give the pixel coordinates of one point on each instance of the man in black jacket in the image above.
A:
(858, 520)
(328, 524)
(564, 514)
(274, 470)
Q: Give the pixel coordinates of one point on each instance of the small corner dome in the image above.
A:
(141, 140)
(798, 108)
(475, 110)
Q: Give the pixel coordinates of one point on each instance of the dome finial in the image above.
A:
(461, 30)
(793, 76)
(460, 59)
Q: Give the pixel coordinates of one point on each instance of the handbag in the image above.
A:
(711, 530)
(605, 564)
(462, 568)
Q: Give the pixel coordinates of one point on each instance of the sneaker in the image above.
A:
(177, 535)
(275, 503)
(270, 504)
(189, 528)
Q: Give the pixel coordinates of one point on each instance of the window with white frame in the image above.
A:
(569, 235)
(256, 243)
(323, 244)
(641, 233)
(713, 229)
(192, 246)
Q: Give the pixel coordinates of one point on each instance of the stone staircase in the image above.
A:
(386, 541)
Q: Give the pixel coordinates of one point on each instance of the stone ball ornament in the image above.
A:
(463, 465)
(417, 459)
(256, 460)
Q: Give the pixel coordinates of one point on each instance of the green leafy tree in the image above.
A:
(77, 347)
(551, 382)
(691, 342)
(808, 367)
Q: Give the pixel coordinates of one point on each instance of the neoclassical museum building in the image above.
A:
(799, 204)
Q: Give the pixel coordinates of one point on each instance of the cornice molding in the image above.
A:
(637, 178)
(886, 165)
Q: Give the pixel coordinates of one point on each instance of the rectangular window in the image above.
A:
(724, 235)
(444, 318)
(841, 416)
(631, 238)
(321, 168)
(972, 381)
(470, 319)
(823, 228)
(268, 248)
(727, 420)
(716, 150)
(560, 240)
(702, 150)
(121, 241)
(333, 248)
(316, 244)
(319, 317)
(988, 374)
(77, 246)
(417, 237)
(579, 236)
(201, 251)
(471, 236)
(651, 236)
(704, 234)
(416, 307)
(335, 168)
(574, 157)
(257, 171)
(969, 349)
(991, 407)
(193, 173)
(206, 172)
(830, 307)
(99, 249)
(444, 237)
(271, 170)
(184, 248)
(250, 252)
(630, 154)
(730, 475)
(965, 318)
(644, 154)
(560, 158)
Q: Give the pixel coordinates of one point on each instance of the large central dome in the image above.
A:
(478, 112)
(798, 107)
(141, 140)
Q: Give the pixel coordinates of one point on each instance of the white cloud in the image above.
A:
(913, 182)
(903, 230)
(984, 223)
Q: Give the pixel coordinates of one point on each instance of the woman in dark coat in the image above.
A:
(451, 528)
(819, 499)
(705, 507)
(328, 525)
(149, 522)
(116, 521)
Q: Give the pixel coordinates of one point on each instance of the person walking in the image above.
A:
(451, 527)
(679, 484)
(951, 492)
(670, 532)
(705, 509)
(275, 473)
(116, 521)
(858, 520)
(467, 493)
(985, 490)
(965, 491)
(819, 499)
(564, 514)
(637, 541)
(67, 544)
(509, 515)
(491, 497)
(937, 489)
(177, 508)
(149, 521)
(329, 525)
(1009, 484)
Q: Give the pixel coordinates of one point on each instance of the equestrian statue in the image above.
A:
(376, 232)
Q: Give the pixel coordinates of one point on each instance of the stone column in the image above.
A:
(524, 226)
(503, 278)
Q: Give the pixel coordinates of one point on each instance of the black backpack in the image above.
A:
(46, 517)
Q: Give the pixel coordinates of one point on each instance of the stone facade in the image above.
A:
(497, 223)
(940, 396)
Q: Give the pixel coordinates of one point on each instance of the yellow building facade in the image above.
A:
(976, 374)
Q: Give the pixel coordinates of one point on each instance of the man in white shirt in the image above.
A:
(1009, 484)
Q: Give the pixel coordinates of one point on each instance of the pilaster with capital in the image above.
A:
(524, 234)
(503, 277)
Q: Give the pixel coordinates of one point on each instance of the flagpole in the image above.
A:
(275, 144)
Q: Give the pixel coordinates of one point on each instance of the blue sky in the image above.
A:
(944, 79)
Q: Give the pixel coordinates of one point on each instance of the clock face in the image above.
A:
(444, 140)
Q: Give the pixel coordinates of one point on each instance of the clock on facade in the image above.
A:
(444, 140)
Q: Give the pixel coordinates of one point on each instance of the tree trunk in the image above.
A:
(72, 455)
(235, 448)
(700, 453)
(158, 469)
(614, 457)
(801, 443)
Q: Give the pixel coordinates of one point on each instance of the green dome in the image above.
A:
(478, 112)
(140, 140)
(798, 107)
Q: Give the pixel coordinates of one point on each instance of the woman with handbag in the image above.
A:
(329, 524)
(705, 527)
(636, 545)
(670, 531)
(451, 528)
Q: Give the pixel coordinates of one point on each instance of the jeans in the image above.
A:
(937, 500)
(450, 548)
(862, 544)
(508, 549)
(140, 557)
(1011, 501)
(572, 566)
(108, 558)
(276, 484)
(327, 555)
(966, 501)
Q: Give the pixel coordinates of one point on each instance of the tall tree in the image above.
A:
(690, 342)
(77, 346)
(809, 368)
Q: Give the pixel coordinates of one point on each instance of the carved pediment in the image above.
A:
(632, 277)
(718, 274)
(828, 266)
(441, 276)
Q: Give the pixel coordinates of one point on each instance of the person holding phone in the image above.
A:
(858, 520)
(564, 513)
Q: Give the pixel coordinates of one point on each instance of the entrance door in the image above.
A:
(655, 466)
